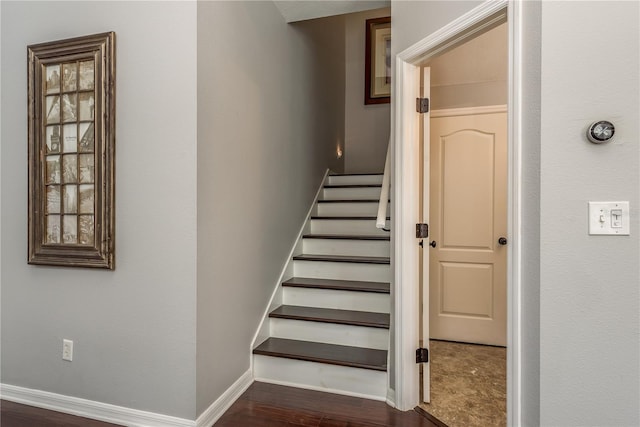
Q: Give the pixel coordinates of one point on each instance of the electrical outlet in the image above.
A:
(67, 350)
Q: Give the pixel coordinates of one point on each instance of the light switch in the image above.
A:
(609, 218)
(616, 218)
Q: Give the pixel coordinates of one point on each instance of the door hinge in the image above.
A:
(422, 231)
(422, 105)
(422, 355)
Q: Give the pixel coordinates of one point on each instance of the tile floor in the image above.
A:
(468, 384)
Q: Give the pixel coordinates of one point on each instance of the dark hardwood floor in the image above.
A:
(262, 405)
(16, 415)
(273, 405)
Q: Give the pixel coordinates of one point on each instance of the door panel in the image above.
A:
(466, 289)
(467, 268)
(466, 164)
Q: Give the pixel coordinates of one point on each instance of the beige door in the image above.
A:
(468, 216)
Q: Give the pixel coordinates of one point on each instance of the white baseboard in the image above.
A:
(89, 408)
(224, 402)
(119, 414)
(391, 397)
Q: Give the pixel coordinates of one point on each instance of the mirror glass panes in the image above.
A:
(68, 100)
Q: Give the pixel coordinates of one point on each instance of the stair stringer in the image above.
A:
(264, 328)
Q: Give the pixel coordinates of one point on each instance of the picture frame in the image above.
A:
(71, 145)
(377, 71)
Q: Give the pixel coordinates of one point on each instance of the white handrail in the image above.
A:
(384, 192)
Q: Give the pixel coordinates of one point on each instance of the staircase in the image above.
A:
(331, 331)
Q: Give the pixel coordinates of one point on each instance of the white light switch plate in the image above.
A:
(609, 218)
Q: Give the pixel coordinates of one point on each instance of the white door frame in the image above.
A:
(406, 185)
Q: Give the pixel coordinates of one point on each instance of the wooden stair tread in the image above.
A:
(352, 185)
(343, 258)
(351, 201)
(356, 357)
(356, 174)
(331, 315)
(347, 236)
(338, 285)
(348, 217)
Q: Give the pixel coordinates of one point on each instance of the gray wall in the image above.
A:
(133, 328)
(530, 221)
(589, 296)
(474, 74)
(366, 126)
(415, 20)
(270, 113)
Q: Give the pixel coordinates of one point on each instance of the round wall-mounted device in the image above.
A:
(601, 131)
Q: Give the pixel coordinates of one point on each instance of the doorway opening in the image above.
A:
(407, 141)
(463, 275)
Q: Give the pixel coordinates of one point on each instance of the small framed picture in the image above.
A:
(52, 170)
(69, 169)
(71, 93)
(53, 199)
(69, 76)
(52, 112)
(53, 139)
(87, 75)
(86, 168)
(87, 106)
(378, 61)
(70, 200)
(53, 79)
(86, 233)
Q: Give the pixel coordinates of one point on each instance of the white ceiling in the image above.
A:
(300, 10)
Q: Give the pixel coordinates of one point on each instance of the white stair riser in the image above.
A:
(347, 226)
(342, 271)
(354, 179)
(330, 333)
(342, 300)
(349, 209)
(321, 376)
(379, 248)
(364, 193)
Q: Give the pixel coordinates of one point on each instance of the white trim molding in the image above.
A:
(120, 414)
(487, 15)
(406, 168)
(406, 209)
(90, 409)
(468, 111)
(224, 402)
(514, 216)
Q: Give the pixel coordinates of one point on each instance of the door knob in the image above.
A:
(502, 241)
(433, 244)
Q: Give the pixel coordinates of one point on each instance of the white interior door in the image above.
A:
(468, 214)
(424, 256)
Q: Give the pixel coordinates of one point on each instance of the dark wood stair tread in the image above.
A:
(352, 185)
(356, 357)
(356, 174)
(351, 201)
(331, 315)
(343, 258)
(348, 217)
(338, 285)
(348, 236)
